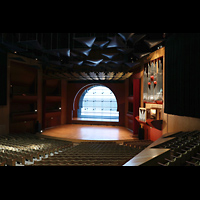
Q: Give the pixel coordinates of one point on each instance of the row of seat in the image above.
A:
(140, 144)
(91, 154)
(194, 161)
(22, 149)
(184, 147)
(35, 150)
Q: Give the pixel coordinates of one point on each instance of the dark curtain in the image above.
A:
(182, 74)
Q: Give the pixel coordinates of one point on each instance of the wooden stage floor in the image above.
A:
(85, 133)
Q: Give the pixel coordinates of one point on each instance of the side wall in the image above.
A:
(5, 102)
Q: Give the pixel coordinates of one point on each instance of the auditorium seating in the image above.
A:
(184, 149)
(34, 150)
(23, 149)
(140, 144)
(91, 154)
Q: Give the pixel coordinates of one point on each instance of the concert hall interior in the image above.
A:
(99, 99)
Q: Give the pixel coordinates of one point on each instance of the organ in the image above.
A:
(150, 113)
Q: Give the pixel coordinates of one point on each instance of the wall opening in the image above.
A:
(98, 103)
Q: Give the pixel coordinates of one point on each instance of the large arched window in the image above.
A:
(98, 103)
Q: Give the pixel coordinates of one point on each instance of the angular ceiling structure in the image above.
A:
(95, 61)
(131, 64)
(74, 57)
(100, 44)
(88, 41)
(126, 36)
(109, 55)
(84, 51)
(136, 38)
(65, 52)
(152, 43)
(116, 42)
(125, 50)
(76, 62)
(31, 44)
(140, 55)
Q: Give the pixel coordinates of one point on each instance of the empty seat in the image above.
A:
(32, 150)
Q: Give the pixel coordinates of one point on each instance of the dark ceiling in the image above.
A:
(84, 56)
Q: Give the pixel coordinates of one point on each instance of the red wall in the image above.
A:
(117, 88)
(136, 104)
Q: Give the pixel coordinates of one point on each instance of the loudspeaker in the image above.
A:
(141, 133)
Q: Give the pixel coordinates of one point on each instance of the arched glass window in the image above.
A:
(98, 103)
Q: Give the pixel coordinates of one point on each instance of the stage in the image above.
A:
(90, 133)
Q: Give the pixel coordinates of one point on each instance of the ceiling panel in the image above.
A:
(84, 56)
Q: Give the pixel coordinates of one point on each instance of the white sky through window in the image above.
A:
(98, 103)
